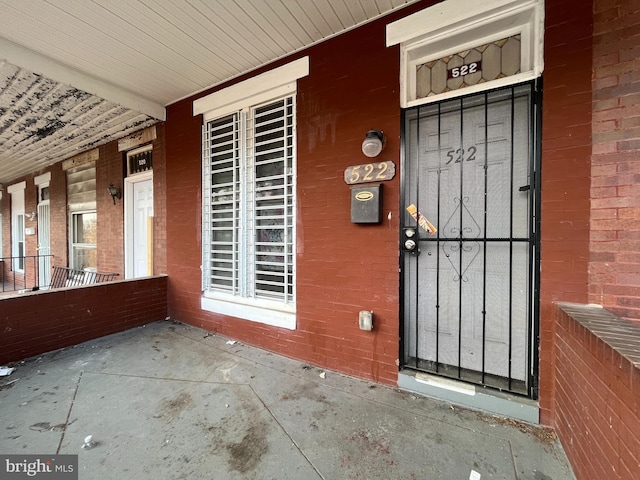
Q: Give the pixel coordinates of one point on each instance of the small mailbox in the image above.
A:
(366, 203)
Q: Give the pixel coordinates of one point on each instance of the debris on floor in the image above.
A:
(231, 342)
(474, 475)
(323, 375)
(88, 442)
(4, 371)
(7, 385)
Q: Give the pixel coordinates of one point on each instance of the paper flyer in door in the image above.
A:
(421, 219)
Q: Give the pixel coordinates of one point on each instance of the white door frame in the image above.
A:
(129, 183)
(44, 235)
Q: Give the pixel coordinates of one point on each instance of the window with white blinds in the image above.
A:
(249, 206)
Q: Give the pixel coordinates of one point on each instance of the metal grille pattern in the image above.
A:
(273, 187)
(468, 289)
(222, 203)
(249, 202)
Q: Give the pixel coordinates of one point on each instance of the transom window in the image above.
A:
(140, 160)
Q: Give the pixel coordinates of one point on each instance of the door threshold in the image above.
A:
(470, 396)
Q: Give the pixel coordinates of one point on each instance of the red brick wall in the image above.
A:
(38, 322)
(159, 203)
(614, 279)
(5, 204)
(598, 404)
(565, 173)
(59, 221)
(110, 169)
(4, 210)
(342, 268)
(31, 240)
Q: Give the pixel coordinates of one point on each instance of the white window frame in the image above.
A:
(1, 238)
(452, 26)
(242, 100)
(17, 225)
(73, 244)
(41, 182)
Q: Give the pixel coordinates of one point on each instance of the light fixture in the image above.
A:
(373, 143)
(31, 216)
(114, 192)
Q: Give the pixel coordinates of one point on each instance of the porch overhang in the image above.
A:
(74, 77)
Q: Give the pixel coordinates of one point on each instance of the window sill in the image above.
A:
(258, 311)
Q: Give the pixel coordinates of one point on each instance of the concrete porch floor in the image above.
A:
(169, 401)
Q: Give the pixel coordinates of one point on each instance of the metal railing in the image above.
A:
(34, 272)
(73, 277)
(23, 273)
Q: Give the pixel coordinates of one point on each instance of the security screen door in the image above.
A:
(467, 287)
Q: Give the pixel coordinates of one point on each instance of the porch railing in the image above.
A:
(72, 277)
(23, 273)
(34, 272)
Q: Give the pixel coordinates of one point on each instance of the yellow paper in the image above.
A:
(422, 220)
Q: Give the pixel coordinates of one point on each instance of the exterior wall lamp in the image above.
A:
(114, 192)
(373, 143)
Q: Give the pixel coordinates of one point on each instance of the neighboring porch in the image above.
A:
(37, 273)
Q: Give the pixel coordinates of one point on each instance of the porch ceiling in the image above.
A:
(77, 74)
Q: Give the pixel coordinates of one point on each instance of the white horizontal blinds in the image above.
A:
(222, 204)
(81, 187)
(273, 170)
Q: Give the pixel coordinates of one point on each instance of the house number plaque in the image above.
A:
(369, 172)
(464, 70)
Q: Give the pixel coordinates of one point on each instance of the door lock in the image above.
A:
(410, 241)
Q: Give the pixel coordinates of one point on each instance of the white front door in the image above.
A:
(139, 226)
(468, 286)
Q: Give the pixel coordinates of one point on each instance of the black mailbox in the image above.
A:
(366, 204)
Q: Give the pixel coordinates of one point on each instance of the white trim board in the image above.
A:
(470, 396)
(457, 25)
(259, 312)
(38, 63)
(42, 179)
(17, 187)
(272, 84)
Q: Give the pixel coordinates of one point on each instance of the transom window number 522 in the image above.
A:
(463, 70)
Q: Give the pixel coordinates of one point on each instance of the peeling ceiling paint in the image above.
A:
(75, 75)
(43, 122)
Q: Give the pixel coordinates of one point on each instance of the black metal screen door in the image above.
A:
(467, 287)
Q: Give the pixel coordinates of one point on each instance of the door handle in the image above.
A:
(410, 244)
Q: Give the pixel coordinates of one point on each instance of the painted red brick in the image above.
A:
(38, 322)
(334, 279)
(110, 168)
(597, 404)
(589, 214)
